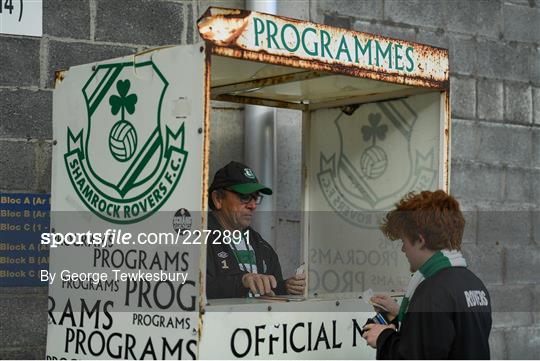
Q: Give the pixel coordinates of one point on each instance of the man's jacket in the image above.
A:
(449, 317)
(223, 273)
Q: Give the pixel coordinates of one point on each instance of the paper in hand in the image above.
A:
(367, 295)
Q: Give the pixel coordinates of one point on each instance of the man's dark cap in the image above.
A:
(238, 177)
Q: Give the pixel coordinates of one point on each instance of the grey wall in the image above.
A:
(495, 84)
(495, 104)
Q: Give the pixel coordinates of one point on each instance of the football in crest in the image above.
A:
(373, 162)
(123, 141)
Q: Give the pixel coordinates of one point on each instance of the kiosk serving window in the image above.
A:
(362, 160)
(133, 151)
(366, 143)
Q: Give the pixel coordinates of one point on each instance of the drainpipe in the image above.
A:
(260, 145)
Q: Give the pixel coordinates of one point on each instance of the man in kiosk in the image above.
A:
(446, 312)
(240, 263)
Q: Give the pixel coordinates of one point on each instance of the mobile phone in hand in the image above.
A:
(380, 319)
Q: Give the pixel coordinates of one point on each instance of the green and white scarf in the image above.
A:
(440, 260)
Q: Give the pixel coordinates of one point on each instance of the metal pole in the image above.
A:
(260, 144)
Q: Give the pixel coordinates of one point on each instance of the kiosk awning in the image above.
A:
(276, 61)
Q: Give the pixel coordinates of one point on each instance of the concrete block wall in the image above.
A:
(74, 32)
(495, 84)
(494, 69)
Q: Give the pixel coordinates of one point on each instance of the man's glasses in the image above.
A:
(246, 198)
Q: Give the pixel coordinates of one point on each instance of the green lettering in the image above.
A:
(325, 41)
(127, 212)
(156, 195)
(151, 201)
(259, 24)
(143, 205)
(80, 183)
(271, 33)
(88, 192)
(116, 211)
(169, 178)
(343, 48)
(315, 52)
(365, 49)
(384, 54)
(162, 188)
(409, 58)
(76, 173)
(284, 41)
(398, 56)
(173, 166)
(94, 200)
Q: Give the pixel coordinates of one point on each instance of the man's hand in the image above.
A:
(389, 304)
(259, 284)
(296, 285)
(372, 332)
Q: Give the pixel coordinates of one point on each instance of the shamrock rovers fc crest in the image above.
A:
(376, 162)
(125, 163)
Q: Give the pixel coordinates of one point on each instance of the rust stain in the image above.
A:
(204, 198)
(446, 142)
(319, 66)
(285, 78)
(206, 165)
(206, 129)
(200, 321)
(260, 101)
(225, 12)
(233, 22)
(264, 82)
(59, 76)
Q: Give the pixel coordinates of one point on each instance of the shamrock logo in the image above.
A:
(122, 101)
(375, 130)
(374, 160)
(123, 135)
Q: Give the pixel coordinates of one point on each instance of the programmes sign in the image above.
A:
(286, 41)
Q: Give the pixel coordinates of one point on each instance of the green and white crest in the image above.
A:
(249, 173)
(376, 162)
(125, 163)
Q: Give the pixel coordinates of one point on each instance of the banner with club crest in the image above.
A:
(363, 160)
(127, 159)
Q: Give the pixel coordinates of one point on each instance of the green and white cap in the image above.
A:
(238, 177)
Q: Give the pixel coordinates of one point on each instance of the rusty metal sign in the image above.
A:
(273, 39)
